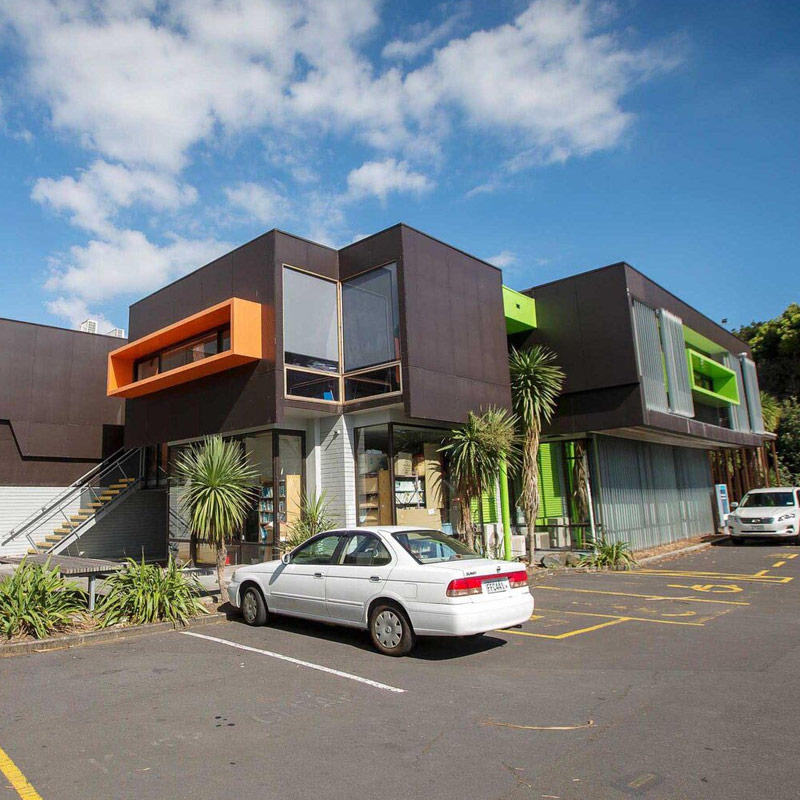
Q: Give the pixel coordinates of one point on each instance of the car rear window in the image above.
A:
(433, 547)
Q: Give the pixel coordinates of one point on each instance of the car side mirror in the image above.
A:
(286, 558)
(734, 506)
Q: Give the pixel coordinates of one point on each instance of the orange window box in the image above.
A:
(244, 318)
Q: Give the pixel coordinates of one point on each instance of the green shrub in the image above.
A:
(315, 517)
(144, 593)
(37, 601)
(608, 554)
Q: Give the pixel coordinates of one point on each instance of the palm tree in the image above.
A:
(478, 449)
(220, 490)
(536, 382)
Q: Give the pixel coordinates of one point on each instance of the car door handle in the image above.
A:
(317, 574)
(375, 578)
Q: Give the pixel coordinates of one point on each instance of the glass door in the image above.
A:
(258, 534)
(290, 483)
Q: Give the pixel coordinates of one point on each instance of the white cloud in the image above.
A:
(150, 87)
(128, 262)
(94, 198)
(262, 203)
(504, 259)
(75, 311)
(423, 36)
(380, 178)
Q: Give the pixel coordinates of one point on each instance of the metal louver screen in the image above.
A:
(648, 354)
(739, 415)
(674, 346)
(752, 393)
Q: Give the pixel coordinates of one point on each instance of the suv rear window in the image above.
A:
(432, 547)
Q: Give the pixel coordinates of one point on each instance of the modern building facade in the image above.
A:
(342, 371)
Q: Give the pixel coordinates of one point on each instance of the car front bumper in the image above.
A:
(466, 619)
(233, 593)
(769, 532)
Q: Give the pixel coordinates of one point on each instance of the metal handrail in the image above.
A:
(87, 482)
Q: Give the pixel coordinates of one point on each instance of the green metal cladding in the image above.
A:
(520, 311)
(713, 383)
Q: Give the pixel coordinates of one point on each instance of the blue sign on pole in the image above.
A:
(723, 506)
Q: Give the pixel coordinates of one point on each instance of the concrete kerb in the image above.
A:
(104, 635)
(541, 573)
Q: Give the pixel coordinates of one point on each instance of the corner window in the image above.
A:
(371, 318)
(312, 385)
(310, 321)
(370, 384)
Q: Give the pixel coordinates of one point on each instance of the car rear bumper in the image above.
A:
(466, 619)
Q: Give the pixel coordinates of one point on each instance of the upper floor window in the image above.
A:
(188, 352)
(310, 321)
(371, 318)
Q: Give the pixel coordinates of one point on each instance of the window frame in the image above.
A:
(335, 555)
(340, 375)
(370, 535)
(183, 344)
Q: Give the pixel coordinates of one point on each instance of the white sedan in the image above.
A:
(397, 582)
(766, 513)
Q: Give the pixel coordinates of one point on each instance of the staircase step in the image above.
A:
(53, 538)
(128, 480)
(98, 504)
(118, 486)
(80, 517)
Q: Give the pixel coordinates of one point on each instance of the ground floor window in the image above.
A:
(279, 460)
(402, 477)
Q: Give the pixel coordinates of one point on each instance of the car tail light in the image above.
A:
(464, 586)
(518, 579)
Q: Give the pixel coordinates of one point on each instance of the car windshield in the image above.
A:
(768, 500)
(431, 547)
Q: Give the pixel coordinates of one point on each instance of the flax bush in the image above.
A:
(144, 593)
(37, 601)
(608, 554)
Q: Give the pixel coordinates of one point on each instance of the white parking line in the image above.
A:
(297, 661)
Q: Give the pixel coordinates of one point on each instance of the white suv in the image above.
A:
(768, 513)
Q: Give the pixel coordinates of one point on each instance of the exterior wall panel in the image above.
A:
(651, 494)
(648, 351)
(677, 368)
(17, 503)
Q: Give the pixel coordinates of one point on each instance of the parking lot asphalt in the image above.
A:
(676, 681)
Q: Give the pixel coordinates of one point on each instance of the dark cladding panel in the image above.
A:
(244, 397)
(373, 251)
(456, 351)
(586, 321)
(52, 370)
(312, 257)
(601, 409)
(17, 349)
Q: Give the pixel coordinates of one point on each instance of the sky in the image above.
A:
(140, 139)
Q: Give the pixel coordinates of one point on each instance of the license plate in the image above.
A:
(496, 586)
(756, 528)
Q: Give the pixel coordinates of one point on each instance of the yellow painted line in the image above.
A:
(614, 621)
(714, 588)
(793, 555)
(643, 596)
(727, 576)
(17, 780)
(778, 563)
(626, 618)
(760, 573)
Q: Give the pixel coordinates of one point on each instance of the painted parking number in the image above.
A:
(713, 588)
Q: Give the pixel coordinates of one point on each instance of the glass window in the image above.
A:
(259, 526)
(317, 551)
(371, 318)
(225, 339)
(311, 385)
(147, 368)
(768, 500)
(310, 321)
(371, 384)
(430, 547)
(365, 550)
(421, 491)
(290, 483)
(373, 484)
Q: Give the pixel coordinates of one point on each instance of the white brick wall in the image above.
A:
(337, 467)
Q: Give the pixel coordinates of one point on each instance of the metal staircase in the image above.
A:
(66, 517)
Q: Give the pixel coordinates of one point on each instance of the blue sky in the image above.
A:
(141, 138)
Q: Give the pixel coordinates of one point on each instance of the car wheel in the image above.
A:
(254, 609)
(390, 630)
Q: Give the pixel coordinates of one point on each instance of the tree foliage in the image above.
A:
(536, 382)
(477, 451)
(220, 491)
(776, 351)
(788, 443)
